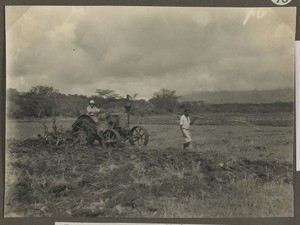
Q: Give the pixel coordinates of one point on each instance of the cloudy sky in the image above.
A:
(143, 49)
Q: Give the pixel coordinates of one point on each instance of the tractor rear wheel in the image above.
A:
(84, 132)
(111, 138)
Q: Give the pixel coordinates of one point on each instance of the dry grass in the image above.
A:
(231, 171)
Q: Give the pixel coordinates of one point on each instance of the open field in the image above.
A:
(18, 129)
(243, 170)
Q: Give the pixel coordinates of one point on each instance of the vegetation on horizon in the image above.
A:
(46, 101)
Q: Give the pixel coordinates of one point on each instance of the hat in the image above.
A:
(92, 102)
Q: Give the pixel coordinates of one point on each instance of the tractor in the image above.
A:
(108, 131)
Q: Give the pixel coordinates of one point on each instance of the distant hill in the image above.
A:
(221, 97)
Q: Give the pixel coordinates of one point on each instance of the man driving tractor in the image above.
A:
(92, 110)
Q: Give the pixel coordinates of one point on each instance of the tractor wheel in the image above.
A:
(83, 133)
(111, 138)
(138, 136)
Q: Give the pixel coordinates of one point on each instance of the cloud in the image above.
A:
(143, 49)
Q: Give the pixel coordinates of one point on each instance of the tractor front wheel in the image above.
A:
(138, 136)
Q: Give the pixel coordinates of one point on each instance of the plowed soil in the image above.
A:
(49, 180)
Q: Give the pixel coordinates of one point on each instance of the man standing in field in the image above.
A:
(185, 123)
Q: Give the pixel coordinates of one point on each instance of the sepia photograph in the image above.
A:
(149, 112)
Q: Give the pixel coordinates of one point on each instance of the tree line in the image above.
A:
(45, 101)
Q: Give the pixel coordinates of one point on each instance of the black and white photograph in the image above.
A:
(149, 112)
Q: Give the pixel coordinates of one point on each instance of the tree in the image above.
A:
(43, 90)
(134, 96)
(107, 94)
(43, 99)
(14, 101)
(165, 100)
(12, 94)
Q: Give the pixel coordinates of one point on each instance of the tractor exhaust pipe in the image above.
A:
(127, 107)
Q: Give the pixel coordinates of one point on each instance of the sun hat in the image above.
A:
(92, 102)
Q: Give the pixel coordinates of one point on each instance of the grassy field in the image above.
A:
(238, 166)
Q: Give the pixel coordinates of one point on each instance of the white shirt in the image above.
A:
(185, 122)
(92, 110)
